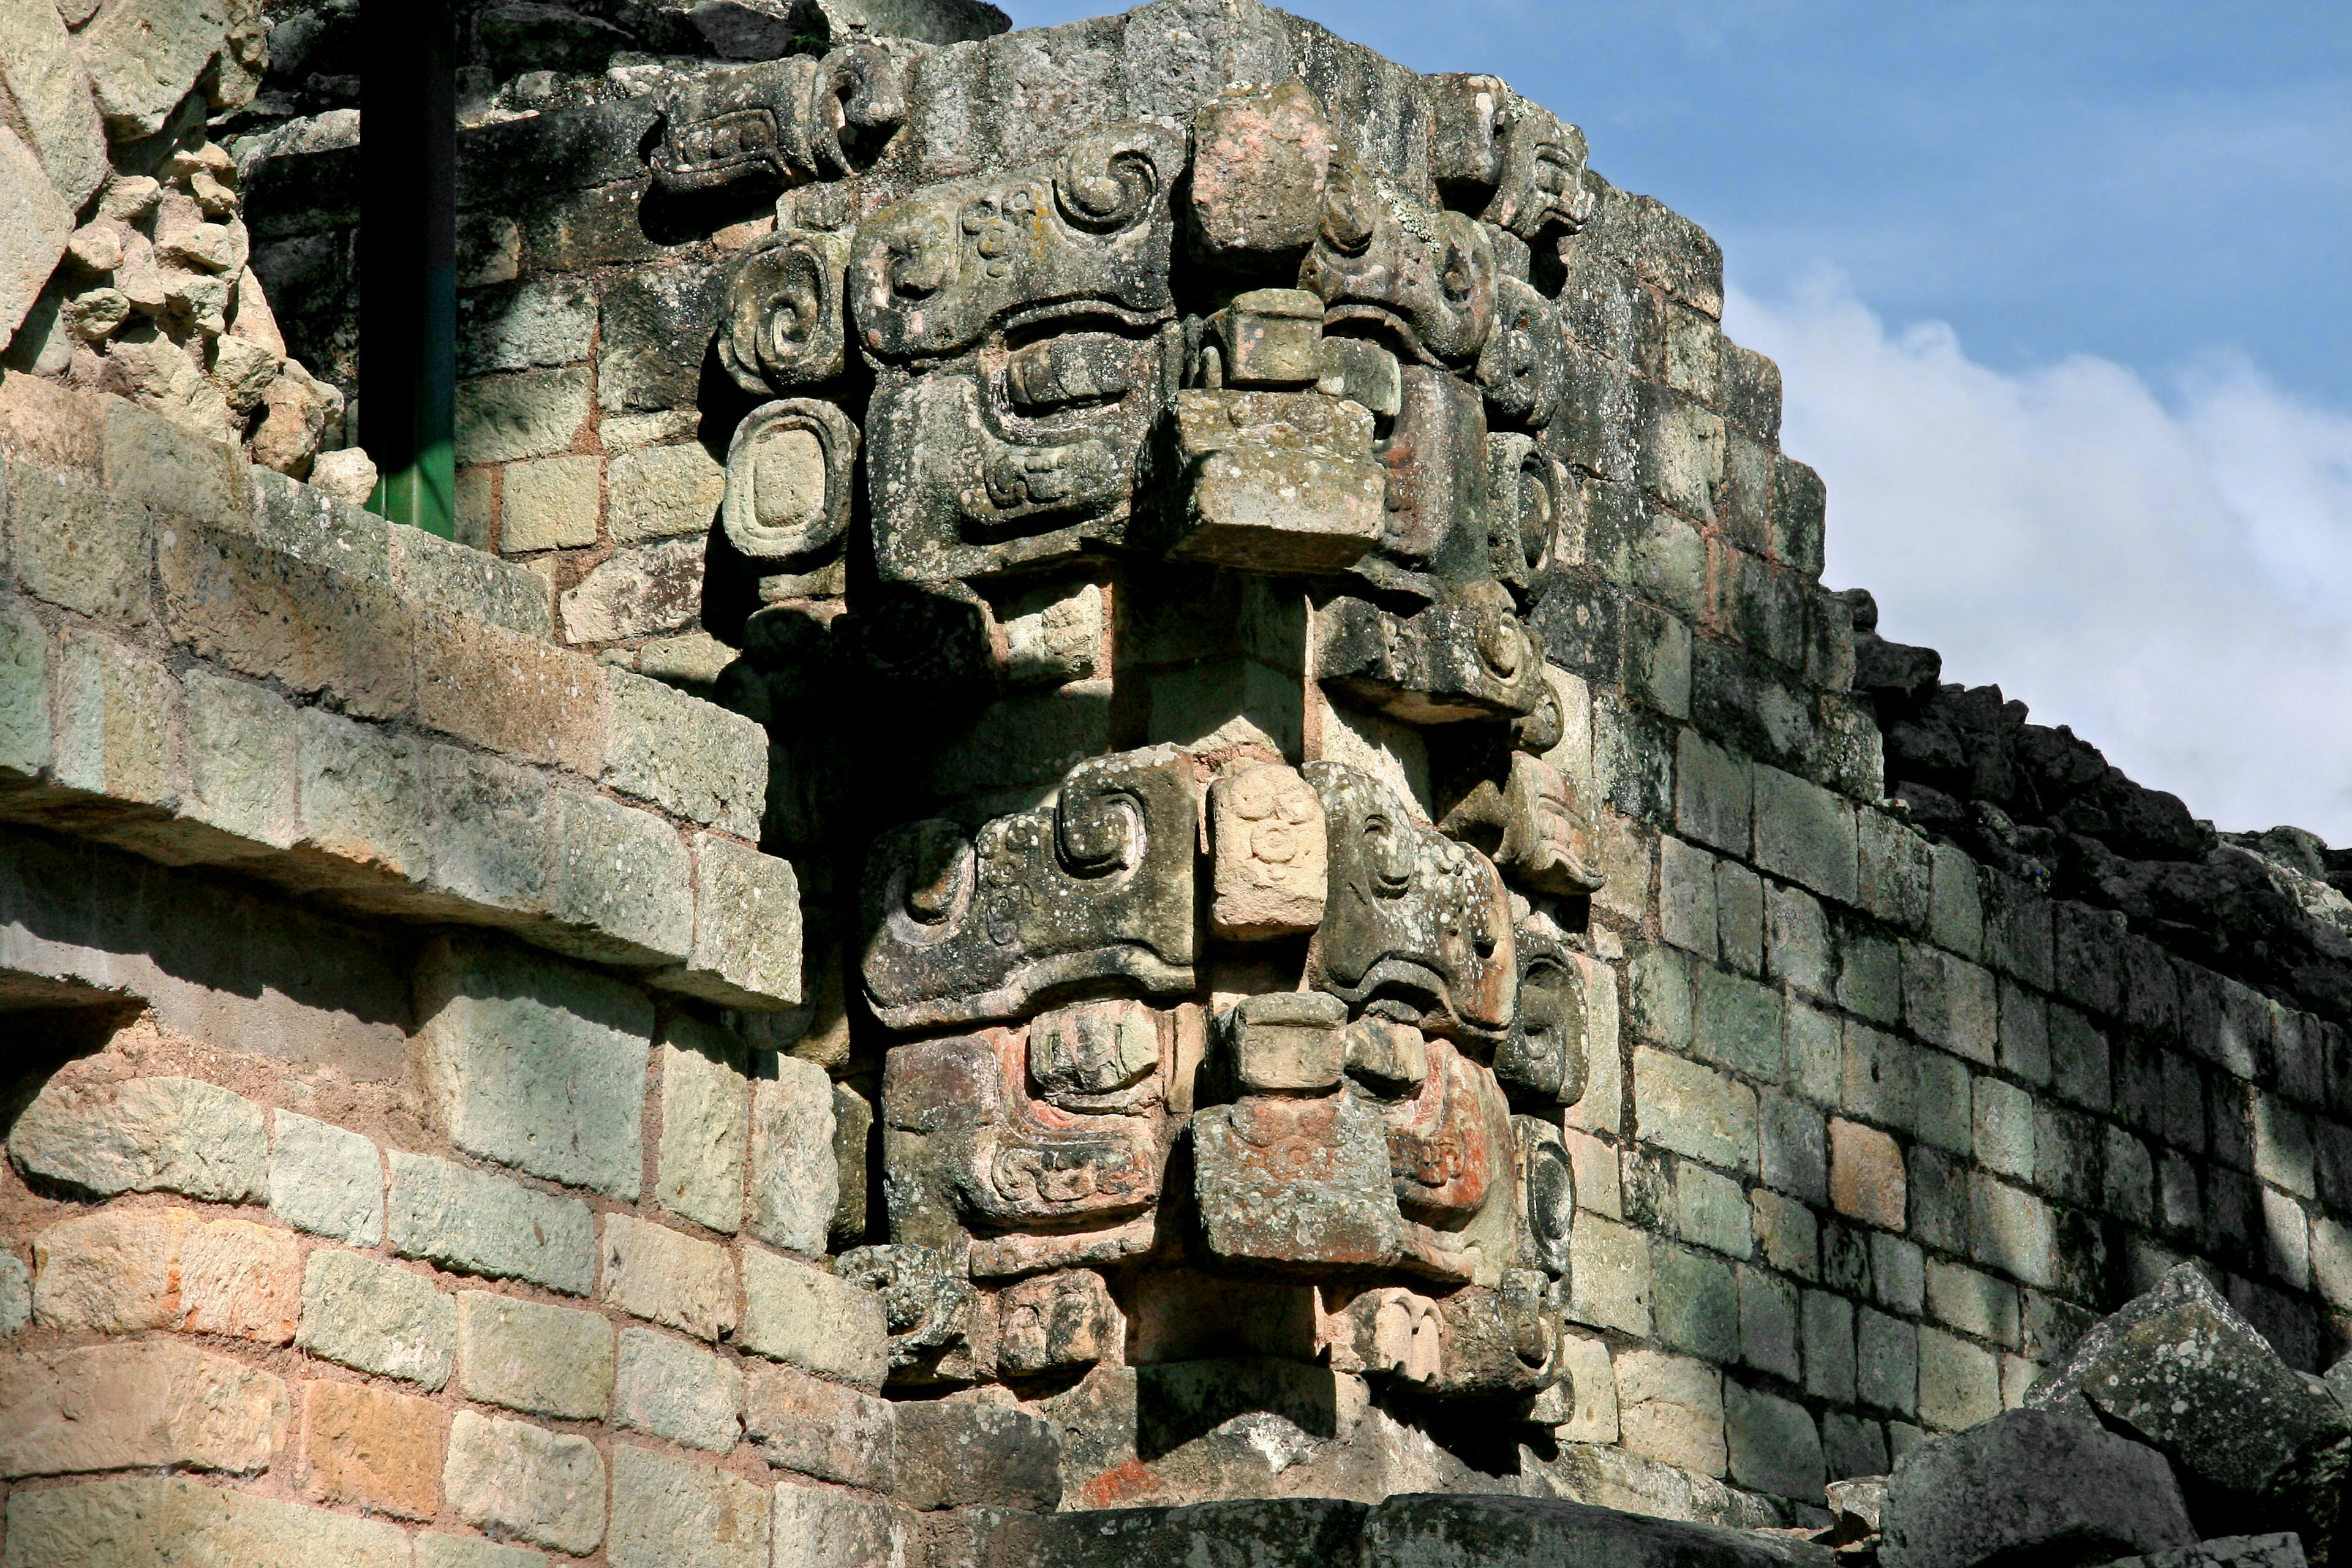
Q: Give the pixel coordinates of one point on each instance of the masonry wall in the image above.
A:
(397, 1187)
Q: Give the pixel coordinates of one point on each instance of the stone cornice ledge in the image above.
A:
(207, 663)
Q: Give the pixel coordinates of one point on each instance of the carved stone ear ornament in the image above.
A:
(790, 479)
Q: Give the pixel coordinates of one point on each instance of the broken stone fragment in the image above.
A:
(2029, 1485)
(1281, 482)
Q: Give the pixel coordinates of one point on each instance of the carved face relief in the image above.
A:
(1038, 406)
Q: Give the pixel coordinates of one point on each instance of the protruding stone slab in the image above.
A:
(2030, 1480)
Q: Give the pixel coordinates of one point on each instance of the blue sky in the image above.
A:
(2063, 293)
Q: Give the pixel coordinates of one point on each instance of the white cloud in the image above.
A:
(2171, 573)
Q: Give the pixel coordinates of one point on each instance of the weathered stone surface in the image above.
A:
(705, 1110)
(373, 1450)
(670, 1389)
(2029, 1482)
(1272, 863)
(122, 1269)
(537, 1064)
(667, 1277)
(104, 1524)
(530, 414)
(469, 1220)
(957, 1454)
(747, 928)
(2181, 1370)
(661, 491)
(636, 591)
(128, 1406)
(796, 1313)
(818, 1428)
(376, 1317)
(815, 1527)
(549, 504)
(51, 91)
(2283, 1550)
(795, 1180)
(34, 233)
(674, 1513)
(435, 1549)
(1522, 1533)
(1281, 482)
(515, 1479)
(149, 1135)
(15, 1293)
(528, 1356)
(325, 1180)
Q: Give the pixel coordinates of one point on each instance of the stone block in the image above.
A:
(801, 1315)
(1814, 1052)
(531, 1357)
(2004, 1128)
(435, 1549)
(671, 1389)
(481, 1223)
(1272, 863)
(325, 1180)
(2026, 1483)
(16, 1294)
(543, 321)
(622, 885)
(1768, 1324)
(1695, 1302)
(1886, 1361)
(125, 1406)
(1828, 1324)
(512, 1478)
(1880, 1076)
(1585, 1399)
(361, 798)
(2079, 1059)
(670, 1512)
(314, 626)
(549, 504)
(148, 1134)
(536, 1063)
(705, 1113)
(33, 236)
(1736, 1023)
(684, 755)
(2086, 955)
(462, 583)
(371, 1449)
(815, 1527)
(1897, 1276)
(158, 1520)
(1955, 915)
(117, 720)
(1806, 834)
(1285, 1040)
(1959, 1383)
(1670, 1408)
(494, 828)
(1686, 903)
(525, 413)
(818, 1428)
(1610, 1275)
(747, 928)
(795, 1180)
(641, 591)
(240, 751)
(25, 748)
(664, 1276)
(1870, 978)
(1941, 1107)
(1897, 870)
(78, 546)
(1658, 995)
(1714, 794)
(1788, 1234)
(1792, 1141)
(1951, 1003)
(2017, 928)
(237, 1279)
(1711, 1211)
(1772, 1444)
(1694, 1110)
(660, 492)
(954, 1453)
(50, 89)
(2024, 1034)
(1866, 1176)
(512, 693)
(1739, 916)
(376, 1318)
(2012, 1231)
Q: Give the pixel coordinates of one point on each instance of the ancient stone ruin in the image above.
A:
(1128, 827)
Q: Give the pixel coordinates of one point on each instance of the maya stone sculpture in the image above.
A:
(1234, 416)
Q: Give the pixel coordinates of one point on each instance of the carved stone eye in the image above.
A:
(1105, 184)
(1350, 213)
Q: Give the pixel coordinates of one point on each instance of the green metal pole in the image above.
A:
(408, 261)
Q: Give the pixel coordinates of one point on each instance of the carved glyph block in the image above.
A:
(1266, 827)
